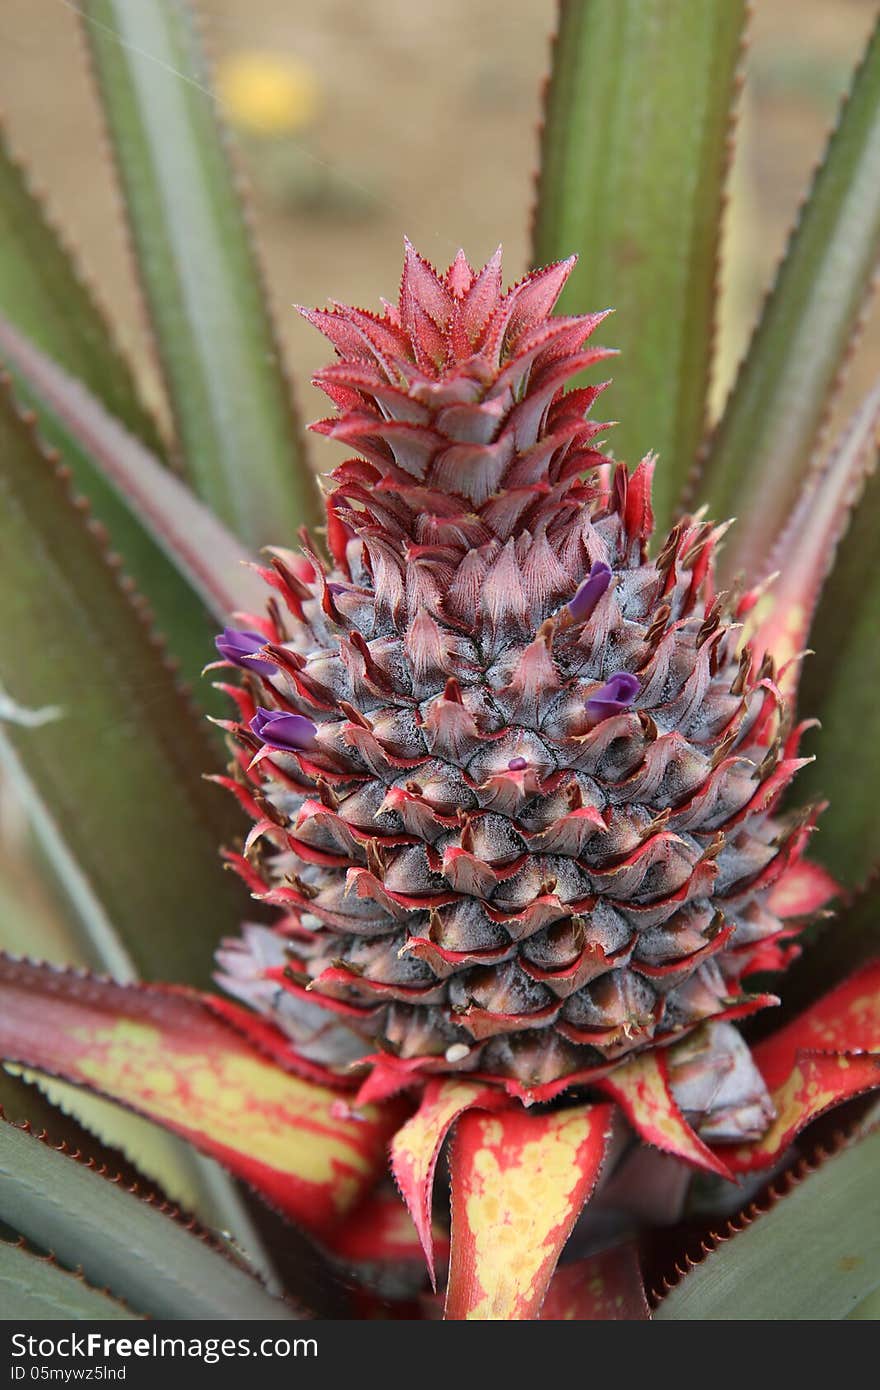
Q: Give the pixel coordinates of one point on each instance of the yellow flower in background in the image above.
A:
(266, 94)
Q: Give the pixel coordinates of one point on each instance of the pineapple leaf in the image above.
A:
(756, 460)
(237, 428)
(822, 1231)
(803, 556)
(819, 1059)
(43, 292)
(32, 919)
(530, 1175)
(141, 1154)
(147, 1155)
(848, 940)
(605, 1287)
(72, 1209)
(168, 1055)
(35, 1288)
(818, 1082)
(111, 751)
(642, 1089)
(33, 922)
(416, 1147)
(634, 157)
(23, 1103)
(838, 686)
(189, 568)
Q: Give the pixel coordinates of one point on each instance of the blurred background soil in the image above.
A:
(362, 120)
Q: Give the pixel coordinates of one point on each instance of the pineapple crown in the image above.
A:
(454, 401)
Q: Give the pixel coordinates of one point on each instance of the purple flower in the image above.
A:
(517, 765)
(287, 732)
(616, 695)
(237, 644)
(588, 595)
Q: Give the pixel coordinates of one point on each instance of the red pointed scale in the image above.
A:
(415, 1147)
(641, 1088)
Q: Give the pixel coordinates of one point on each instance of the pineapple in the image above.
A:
(514, 780)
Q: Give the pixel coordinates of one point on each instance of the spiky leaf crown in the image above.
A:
(514, 781)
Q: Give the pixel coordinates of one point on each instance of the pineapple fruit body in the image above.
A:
(515, 782)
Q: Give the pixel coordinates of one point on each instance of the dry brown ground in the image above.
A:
(429, 113)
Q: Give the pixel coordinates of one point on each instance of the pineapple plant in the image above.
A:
(524, 728)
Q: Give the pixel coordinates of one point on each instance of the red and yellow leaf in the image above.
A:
(519, 1181)
(603, 1288)
(847, 1019)
(828, 1054)
(817, 1082)
(416, 1146)
(273, 1044)
(164, 1054)
(641, 1089)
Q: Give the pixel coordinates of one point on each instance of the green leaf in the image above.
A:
(189, 568)
(133, 1146)
(34, 1289)
(633, 163)
(24, 1102)
(122, 1242)
(839, 687)
(804, 554)
(42, 291)
(31, 919)
(114, 755)
(235, 419)
(30, 923)
(36, 919)
(814, 1255)
(157, 1161)
(771, 426)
